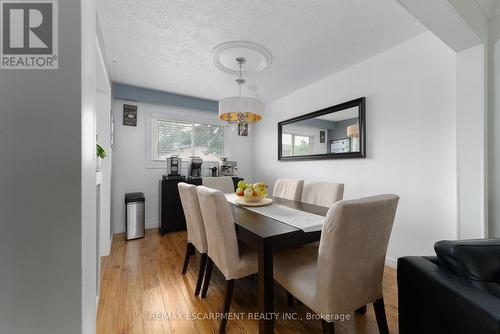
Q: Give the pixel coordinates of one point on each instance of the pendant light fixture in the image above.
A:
(240, 109)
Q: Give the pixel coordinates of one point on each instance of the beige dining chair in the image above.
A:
(232, 260)
(222, 183)
(347, 271)
(322, 193)
(288, 188)
(196, 237)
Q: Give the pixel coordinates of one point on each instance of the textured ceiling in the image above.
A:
(165, 44)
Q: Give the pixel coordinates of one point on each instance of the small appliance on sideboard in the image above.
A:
(195, 168)
(228, 168)
(210, 168)
(174, 165)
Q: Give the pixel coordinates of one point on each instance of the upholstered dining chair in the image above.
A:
(196, 237)
(223, 183)
(288, 189)
(322, 193)
(232, 260)
(346, 272)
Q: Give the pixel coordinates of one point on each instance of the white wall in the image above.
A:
(89, 257)
(103, 132)
(103, 104)
(471, 141)
(494, 143)
(130, 172)
(411, 138)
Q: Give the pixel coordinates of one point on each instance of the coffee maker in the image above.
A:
(228, 168)
(174, 165)
(195, 168)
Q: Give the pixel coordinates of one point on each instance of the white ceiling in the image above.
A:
(165, 44)
(490, 7)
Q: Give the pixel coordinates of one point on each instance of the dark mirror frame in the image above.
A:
(360, 103)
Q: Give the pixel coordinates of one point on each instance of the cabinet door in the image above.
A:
(172, 214)
(175, 219)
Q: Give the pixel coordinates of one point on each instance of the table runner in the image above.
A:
(307, 222)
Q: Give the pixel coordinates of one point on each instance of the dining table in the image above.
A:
(267, 235)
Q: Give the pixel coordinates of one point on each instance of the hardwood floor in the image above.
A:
(143, 291)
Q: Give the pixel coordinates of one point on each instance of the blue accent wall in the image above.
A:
(144, 95)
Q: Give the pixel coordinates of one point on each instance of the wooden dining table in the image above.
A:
(267, 236)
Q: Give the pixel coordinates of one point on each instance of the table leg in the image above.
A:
(266, 303)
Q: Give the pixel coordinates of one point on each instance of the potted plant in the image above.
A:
(101, 154)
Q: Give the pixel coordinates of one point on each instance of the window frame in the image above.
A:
(175, 114)
(310, 137)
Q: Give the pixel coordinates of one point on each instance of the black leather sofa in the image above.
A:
(457, 291)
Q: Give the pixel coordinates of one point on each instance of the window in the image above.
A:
(287, 139)
(185, 139)
(294, 144)
(301, 145)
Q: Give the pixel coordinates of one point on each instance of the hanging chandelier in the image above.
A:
(240, 109)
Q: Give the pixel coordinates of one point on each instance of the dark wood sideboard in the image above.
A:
(171, 212)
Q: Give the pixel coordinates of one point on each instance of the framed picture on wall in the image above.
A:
(340, 145)
(322, 135)
(129, 115)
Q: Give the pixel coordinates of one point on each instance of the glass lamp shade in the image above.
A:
(231, 107)
(353, 131)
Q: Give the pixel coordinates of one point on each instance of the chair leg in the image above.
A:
(328, 327)
(361, 310)
(208, 275)
(289, 299)
(227, 304)
(201, 271)
(380, 315)
(189, 252)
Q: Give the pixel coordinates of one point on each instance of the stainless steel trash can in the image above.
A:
(134, 215)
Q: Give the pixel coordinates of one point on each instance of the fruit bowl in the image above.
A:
(251, 198)
(248, 192)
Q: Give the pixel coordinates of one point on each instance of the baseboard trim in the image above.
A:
(390, 262)
(149, 225)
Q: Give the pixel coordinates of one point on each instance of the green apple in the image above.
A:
(242, 184)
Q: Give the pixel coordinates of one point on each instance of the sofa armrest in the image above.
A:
(433, 300)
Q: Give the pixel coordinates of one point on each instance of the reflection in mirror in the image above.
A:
(336, 132)
(333, 133)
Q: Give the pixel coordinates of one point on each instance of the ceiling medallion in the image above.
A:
(257, 57)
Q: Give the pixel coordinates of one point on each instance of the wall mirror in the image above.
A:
(332, 133)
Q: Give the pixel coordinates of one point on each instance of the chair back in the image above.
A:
(219, 225)
(352, 252)
(223, 183)
(322, 193)
(288, 189)
(194, 221)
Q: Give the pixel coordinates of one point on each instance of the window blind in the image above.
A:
(185, 140)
